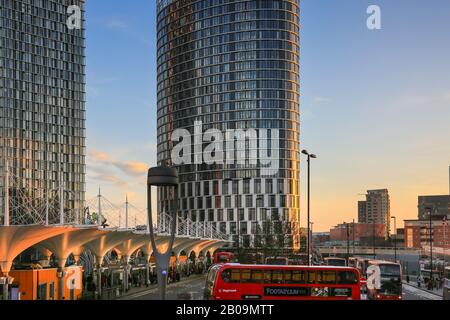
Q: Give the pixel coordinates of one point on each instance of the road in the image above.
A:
(192, 289)
(189, 289)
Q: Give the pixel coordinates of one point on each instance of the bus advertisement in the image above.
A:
(266, 282)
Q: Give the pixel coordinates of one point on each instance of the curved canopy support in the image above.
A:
(65, 244)
(101, 246)
(16, 239)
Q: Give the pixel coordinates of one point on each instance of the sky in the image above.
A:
(375, 104)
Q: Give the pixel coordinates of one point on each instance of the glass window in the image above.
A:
(288, 276)
(231, 276)
(277, 276)
(246, 275)
(347, 277)
(257, 276)
(235, 275)
(326, 277)
(311, 276)
(298, 277)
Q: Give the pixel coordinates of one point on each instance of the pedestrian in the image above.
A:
(407, 278)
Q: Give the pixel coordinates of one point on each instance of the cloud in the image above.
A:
(322, 99)
(110, 178)
(99, 156)
(115, 23)
(131, 168)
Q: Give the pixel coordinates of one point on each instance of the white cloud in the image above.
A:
(322, 99)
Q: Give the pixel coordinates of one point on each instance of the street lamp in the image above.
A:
(162, 177)
(395, 241)
(311, 237)
(431, 246)
(310, 156)
(347, 227)
(445, 223)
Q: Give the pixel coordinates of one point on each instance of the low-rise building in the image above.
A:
(417, 233)
(358, 232)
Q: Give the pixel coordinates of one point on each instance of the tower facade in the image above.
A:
(378, 207)
(42, 109)
(232, 66)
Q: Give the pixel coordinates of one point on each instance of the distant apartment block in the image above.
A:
(362, 211)
(376, 209)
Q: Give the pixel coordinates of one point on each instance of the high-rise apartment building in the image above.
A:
(362, 211)
(42, 108)
(376, 209)
(233, 65)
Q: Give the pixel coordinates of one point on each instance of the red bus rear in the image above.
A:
(223, 257)
(263, 282)
(385, 281)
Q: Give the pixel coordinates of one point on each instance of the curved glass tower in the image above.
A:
(233, 65)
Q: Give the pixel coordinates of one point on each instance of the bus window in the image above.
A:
(347, 277)
(236, 275)
(246, 276)
(231, 276)
(288, 276)
(267, 276)
(298, 277)
(326, 277)
(311, 276)
(277, 276)
(257, 276)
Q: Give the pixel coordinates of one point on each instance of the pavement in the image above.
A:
(412, 292)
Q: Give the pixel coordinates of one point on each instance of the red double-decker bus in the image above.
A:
(384, 280)
(223, 257)
(266, 282)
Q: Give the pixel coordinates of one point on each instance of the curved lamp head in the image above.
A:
(305, 152)
(162, 177)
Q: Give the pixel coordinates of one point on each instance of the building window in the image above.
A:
(230, 214)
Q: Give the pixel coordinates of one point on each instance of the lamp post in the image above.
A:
(444, 224)
(347, 227)
(373, 237)
(431, 246)
(162, 177)
(310, 156)
(395, 241)
(353, 236)
(310, 237)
